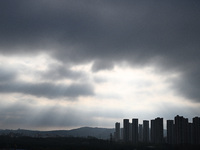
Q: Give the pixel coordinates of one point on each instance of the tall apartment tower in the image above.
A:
(145, 131)
(178, 129)
(121, 133)
(190, 134)
(152, 131)
(185, 131)
(170, 132)
(196, 130)
(181, 130)
(140, 133)
(126, 130)
(157, 130)
(130, 132)
(117, 131)
(134, 131)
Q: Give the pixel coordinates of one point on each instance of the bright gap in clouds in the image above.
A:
(135, 92)
(122, 92)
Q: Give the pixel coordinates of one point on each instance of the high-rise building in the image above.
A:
(130, 132)
(181, 130)
(134, 131)
(185, 131)
(170, 132)
(117, 131)
(196, 130)
(178, 127)
(190, 134)
(126, 130)
(153, 129)
(121, 133)
(157, 130)
(140, 133)
(145, 131)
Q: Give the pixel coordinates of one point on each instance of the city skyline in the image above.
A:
(179, 131)
(67, 64)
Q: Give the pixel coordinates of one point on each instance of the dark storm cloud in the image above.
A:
(59, 72)
(188, 86)
(162, 33)
(48, 90)
(7, 75)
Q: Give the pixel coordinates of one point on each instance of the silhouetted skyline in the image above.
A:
(179, 131)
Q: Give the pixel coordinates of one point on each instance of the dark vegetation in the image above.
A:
(78, 143)
(100, 133)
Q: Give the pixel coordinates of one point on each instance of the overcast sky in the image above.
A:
(67, 64)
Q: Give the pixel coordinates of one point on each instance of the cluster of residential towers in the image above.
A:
(179, 131)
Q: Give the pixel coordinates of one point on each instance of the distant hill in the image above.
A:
(100, 133)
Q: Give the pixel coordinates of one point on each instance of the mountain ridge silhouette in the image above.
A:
(96, 132)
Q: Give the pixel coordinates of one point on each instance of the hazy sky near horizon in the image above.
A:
(66, 64)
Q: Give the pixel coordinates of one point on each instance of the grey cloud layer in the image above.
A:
(48, 90)
(10, 83)
(163, 33)
(7, 74)
(59, 72)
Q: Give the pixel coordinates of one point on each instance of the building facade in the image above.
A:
(140, 133)
(146, 131)
(170, 132)
(181, 130)
(196, 130)
(117, 131)
(157, 131)
(134, 131)
(126, 130)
